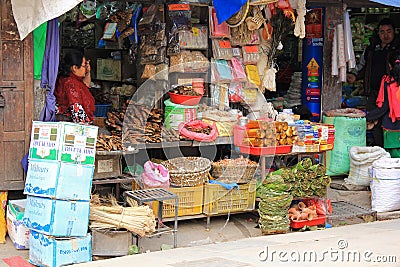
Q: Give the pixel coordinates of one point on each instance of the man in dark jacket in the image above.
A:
(373, 65)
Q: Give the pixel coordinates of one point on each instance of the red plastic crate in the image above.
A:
(271, 150)
(300, 224)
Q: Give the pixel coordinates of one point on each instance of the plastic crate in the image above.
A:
(101, 110)
(190, 202)
(314, 222)
(218, 200)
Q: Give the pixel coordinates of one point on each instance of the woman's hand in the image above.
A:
(87, 67)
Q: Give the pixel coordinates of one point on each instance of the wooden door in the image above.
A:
(16, 87)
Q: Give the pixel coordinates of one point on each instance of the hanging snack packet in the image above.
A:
(251, 54)
(220, 30)
(180, 16)
(238, 73)
(222, 49)
(252, 75)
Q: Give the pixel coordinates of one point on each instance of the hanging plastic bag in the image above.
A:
(155, 175)
(3, 225)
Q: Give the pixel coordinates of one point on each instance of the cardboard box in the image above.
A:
(63, 141)
(79, 143)
(16, 229)
(108, 69)
(52, 179)
(53, 252)
(57, 217)
(107, 166)
(45, 140)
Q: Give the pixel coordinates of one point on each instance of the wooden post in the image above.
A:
(331, 86)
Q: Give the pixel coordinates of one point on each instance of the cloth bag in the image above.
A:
(361, 158)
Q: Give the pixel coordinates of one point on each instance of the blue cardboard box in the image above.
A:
(57, 217)
(52, 179)
(54, 252)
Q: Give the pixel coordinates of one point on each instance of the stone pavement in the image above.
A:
(367, 244)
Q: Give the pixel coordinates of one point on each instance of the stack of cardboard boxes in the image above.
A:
(58, 186)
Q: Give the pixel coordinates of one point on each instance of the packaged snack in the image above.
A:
(218, 30)
(197, 38)
(180, 16)
(149, 71)
(222, 49)
(252, 75)
(251, 54)
(238, 73)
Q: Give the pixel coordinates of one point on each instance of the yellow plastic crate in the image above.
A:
(218, 200)
(190, 202)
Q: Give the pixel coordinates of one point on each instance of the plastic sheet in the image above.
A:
(350, 57)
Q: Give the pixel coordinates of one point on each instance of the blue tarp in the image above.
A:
(225, 9)
(395, 3)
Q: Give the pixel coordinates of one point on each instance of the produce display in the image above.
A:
(274, 204)
(269, 133)
(305, 179)
(300, 212)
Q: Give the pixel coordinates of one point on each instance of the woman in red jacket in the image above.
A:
(74, 101)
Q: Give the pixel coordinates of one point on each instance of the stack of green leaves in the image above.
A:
(274, 205)
(306, 179)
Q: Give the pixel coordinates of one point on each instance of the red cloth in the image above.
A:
(393, 97)
(72, 90)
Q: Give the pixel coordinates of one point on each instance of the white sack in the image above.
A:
(361, 158)
(385, 184)
(29, 14)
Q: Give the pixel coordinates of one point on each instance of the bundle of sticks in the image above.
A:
(136, 219)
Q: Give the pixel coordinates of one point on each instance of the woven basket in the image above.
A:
(233, 172)
(188, 171)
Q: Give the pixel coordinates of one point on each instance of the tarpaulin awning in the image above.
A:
(395, 3)
(29, 14)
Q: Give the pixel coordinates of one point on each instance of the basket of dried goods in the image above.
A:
(187, 171)
(240, 170)
(184, 95)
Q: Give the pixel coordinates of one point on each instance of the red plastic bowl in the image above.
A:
(187, 100)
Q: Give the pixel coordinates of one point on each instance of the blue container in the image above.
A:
(101, 110)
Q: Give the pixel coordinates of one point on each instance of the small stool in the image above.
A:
(156, 194)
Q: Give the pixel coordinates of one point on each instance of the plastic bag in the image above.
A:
(198, 136)
(3, 225)
(155, 175)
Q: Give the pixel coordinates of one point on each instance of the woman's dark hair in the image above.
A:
(71, 58)
(386, 21)
(394, 61)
